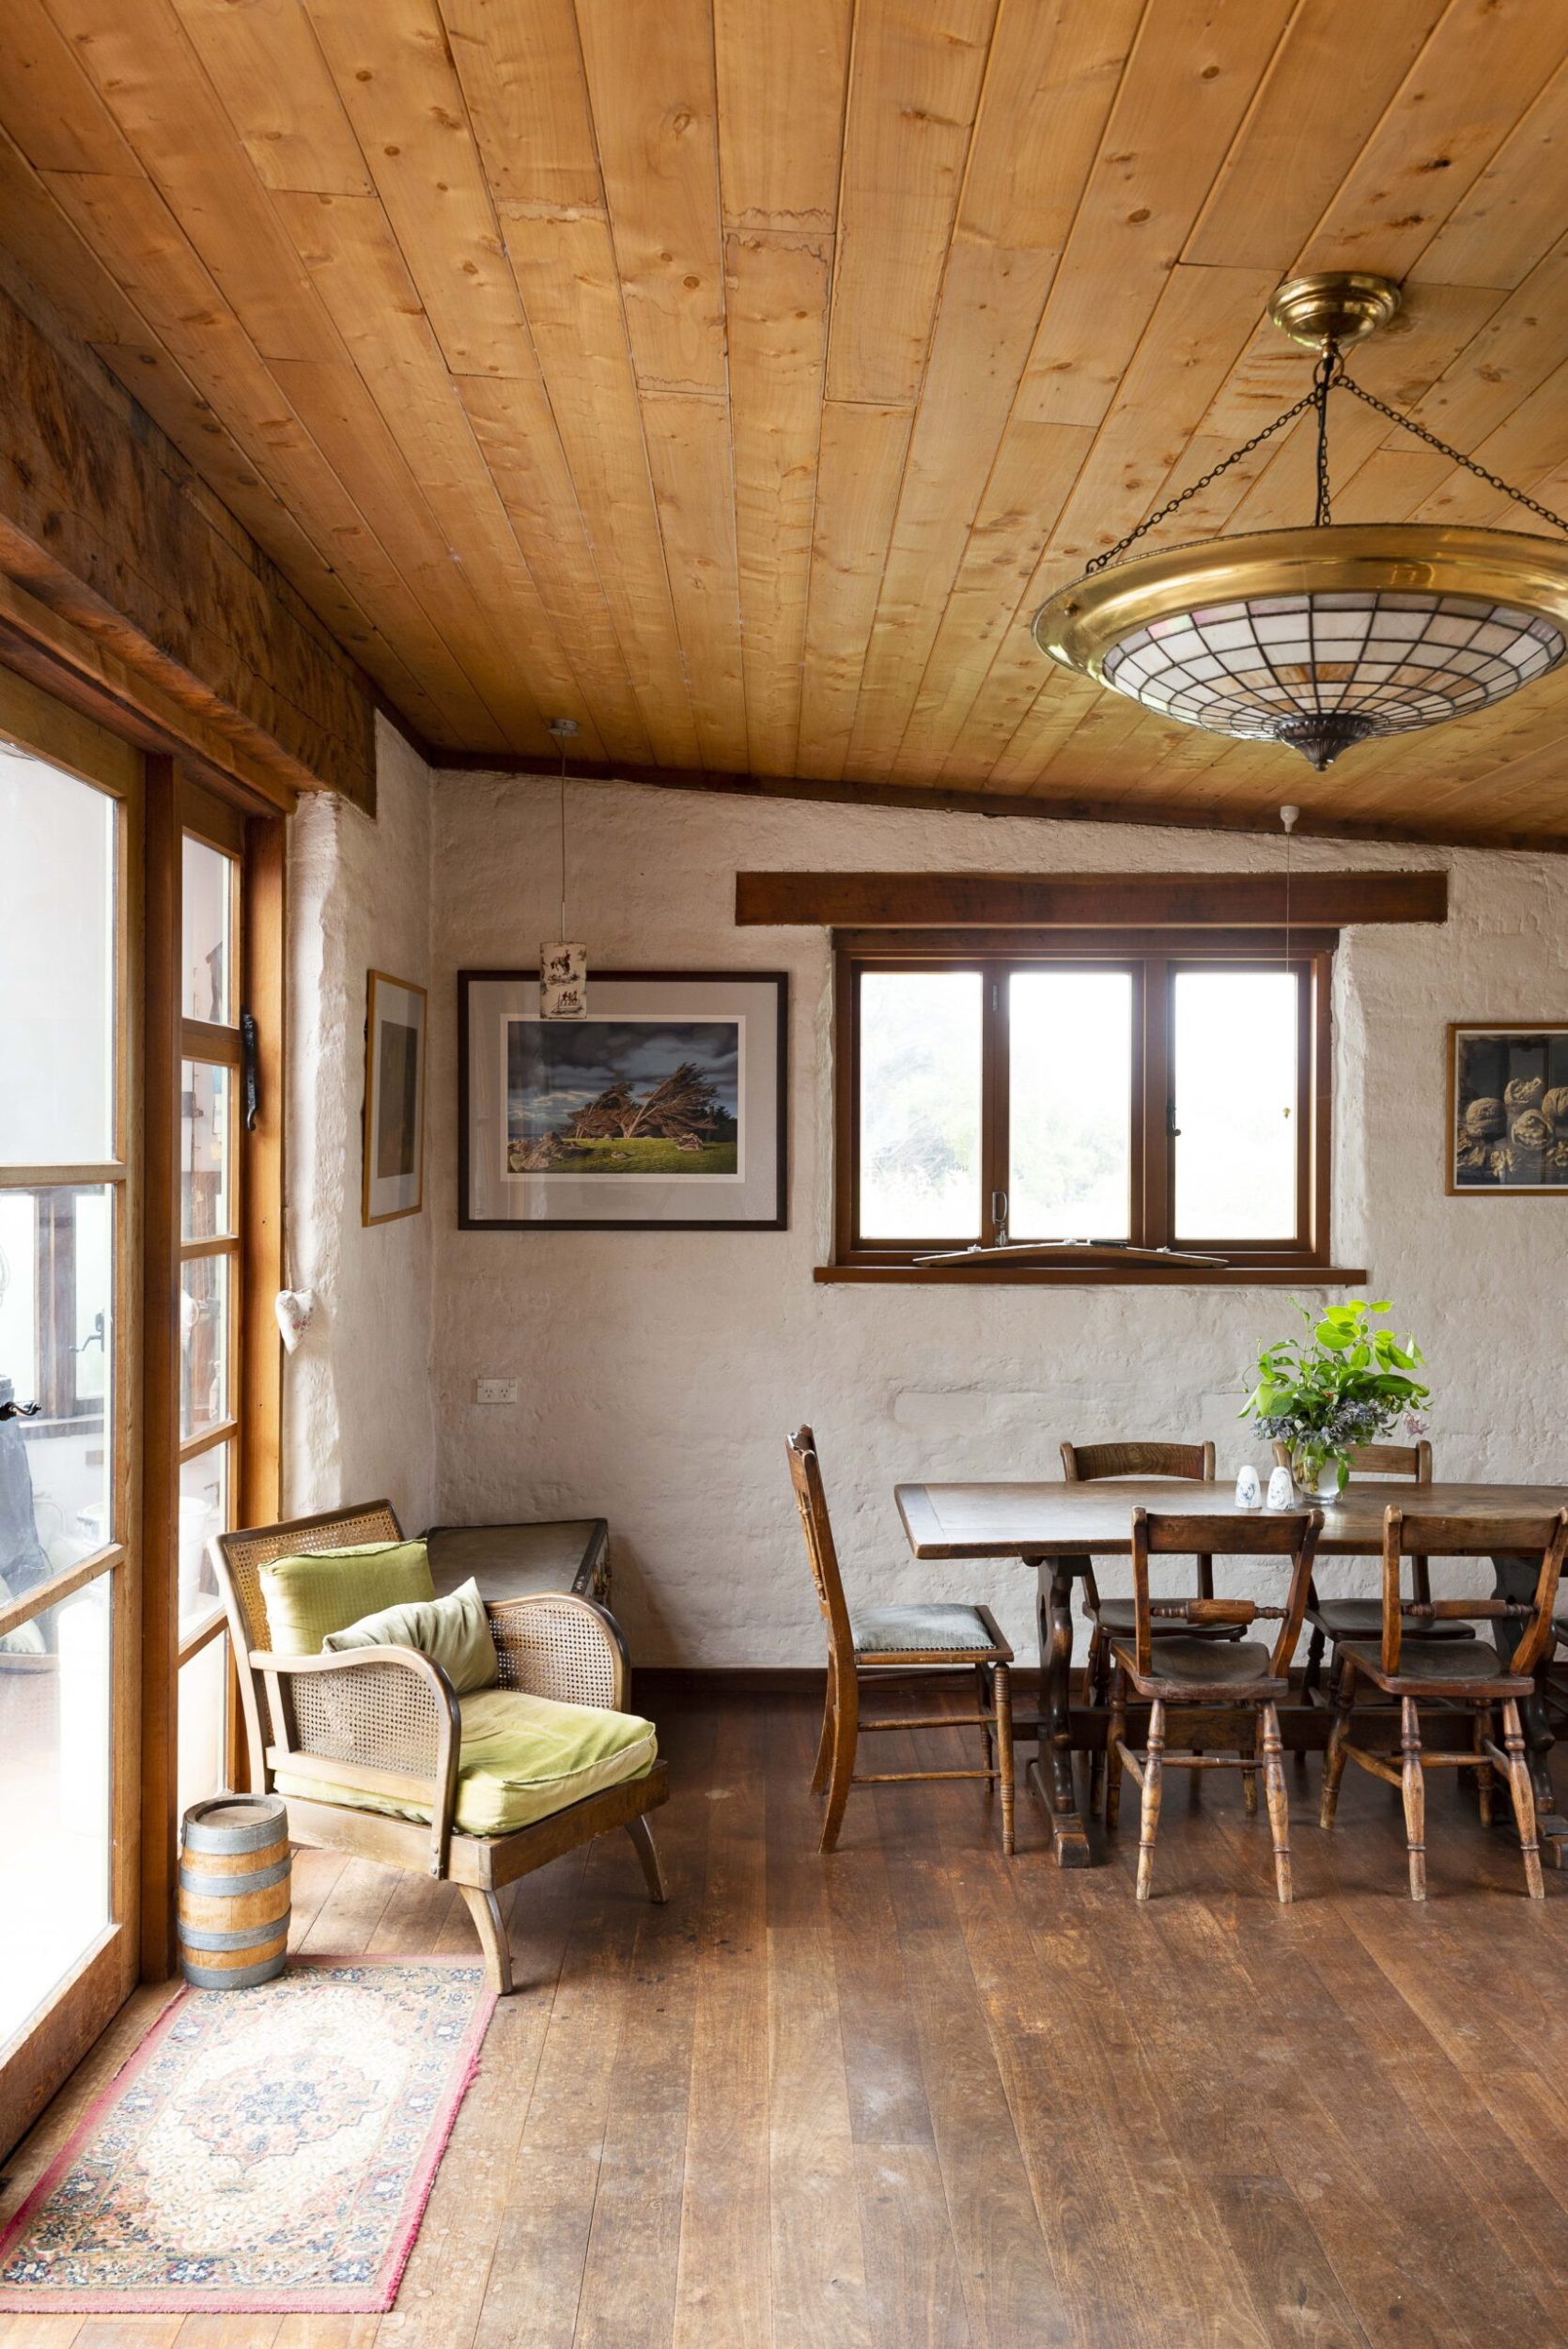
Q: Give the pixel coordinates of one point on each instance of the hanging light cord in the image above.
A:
(1329, 376)
(561, 795)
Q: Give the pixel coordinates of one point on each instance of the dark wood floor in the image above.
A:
(914, 2097)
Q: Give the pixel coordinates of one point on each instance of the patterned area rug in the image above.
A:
(264, 2150)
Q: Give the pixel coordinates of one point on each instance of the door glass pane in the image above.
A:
(1070, 1104)
(204, 1485)
(204, 1288)
(56, 1339)
(56, 966)
(202, 1769)
(1234, 1064)
(205, 1095)
(205, 886)
(920, 1104)
(55, 1734)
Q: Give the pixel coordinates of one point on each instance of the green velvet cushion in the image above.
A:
(308, 1597)
(523, 1757)
(454, 1632)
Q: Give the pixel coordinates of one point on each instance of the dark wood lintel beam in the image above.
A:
(1086, 900)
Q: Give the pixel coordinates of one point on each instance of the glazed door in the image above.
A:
(70, 1465)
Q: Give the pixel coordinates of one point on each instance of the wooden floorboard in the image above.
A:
(918, 2096)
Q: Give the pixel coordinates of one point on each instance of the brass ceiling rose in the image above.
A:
(1328, 635)
(1334, 306)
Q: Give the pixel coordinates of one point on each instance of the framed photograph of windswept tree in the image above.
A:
(665, 1109)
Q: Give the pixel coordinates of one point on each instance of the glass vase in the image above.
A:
(1320, 1471)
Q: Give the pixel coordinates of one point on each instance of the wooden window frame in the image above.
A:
(1155, 958)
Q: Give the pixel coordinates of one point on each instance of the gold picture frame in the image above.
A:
(396, 1035)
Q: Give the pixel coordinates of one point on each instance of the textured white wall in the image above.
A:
(659, 1373)
(357, 1411)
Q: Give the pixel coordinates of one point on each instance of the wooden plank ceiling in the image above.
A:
(735, 376)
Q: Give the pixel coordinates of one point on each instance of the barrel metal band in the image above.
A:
(193, 1937)
(219, 1888)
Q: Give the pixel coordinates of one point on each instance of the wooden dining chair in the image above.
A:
(1112, 1618)
(1185, 1668)
(876, 1645)
(1463, 1675)
(1331, 1620)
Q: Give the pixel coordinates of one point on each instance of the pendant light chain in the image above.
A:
(1493, 481)
(1288, 415)
(1327, 372)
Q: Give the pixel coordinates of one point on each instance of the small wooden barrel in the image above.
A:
(233, 1892)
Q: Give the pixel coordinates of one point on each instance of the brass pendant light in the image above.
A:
(1323, 636)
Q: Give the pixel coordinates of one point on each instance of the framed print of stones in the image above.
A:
(1507, 1109)
(393, 1100)
(664, 1107)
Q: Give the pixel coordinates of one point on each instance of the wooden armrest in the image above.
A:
(556, 1643)
(402, 1739)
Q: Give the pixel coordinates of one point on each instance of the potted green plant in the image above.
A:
(1341, 1384)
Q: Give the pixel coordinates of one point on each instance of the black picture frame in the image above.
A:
(776, 1221)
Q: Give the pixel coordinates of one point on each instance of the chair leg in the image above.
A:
(1333, 1763)
(1524, 1799)
(1154, 1771)
(1096, 1677)
(825, 1743)
(847, 1722)
(1002, 1681)
(1116, 1730)
(485, 1909)
(988, 1698)
(1278, 1805)
(1483, 1775)
(648, 1852)
(1413, 1782)
(1250, 1773)
(1313, 1674)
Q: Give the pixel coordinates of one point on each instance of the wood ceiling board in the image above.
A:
(859, 467)
(49, 104)
(1051, 81)
(688, 455)
(783, 75)
(520, 69)
(1193, 65)
(1521, 342)
(394, 75)
(777, 300)
(1514, 208)
(914, 88)
(266, 66)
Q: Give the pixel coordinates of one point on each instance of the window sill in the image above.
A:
(1098, 1276)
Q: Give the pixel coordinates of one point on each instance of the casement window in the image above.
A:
(1156, 1092)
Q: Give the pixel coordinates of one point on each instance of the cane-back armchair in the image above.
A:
(383, 1724)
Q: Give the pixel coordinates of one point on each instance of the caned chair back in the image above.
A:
(810, 1499)
(1161, 1532)
(237, 1562)
(1379, 1459)
(1086, 1463)
(1410, 1533)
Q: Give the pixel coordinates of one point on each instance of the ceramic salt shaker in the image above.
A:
(1248, 1492)
(1282, 1491)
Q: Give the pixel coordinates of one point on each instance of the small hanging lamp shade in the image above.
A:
(1321, 637)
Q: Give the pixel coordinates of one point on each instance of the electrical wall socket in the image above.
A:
(495, 1391)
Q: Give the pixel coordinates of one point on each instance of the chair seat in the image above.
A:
(938, 1629)
(523, 1758)
(1362, 1619)
(1476, 1662)
(1118, 1619)
(1185, 1668)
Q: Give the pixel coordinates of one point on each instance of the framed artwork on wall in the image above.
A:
(393, 1100)
(665, 1109)
(1507, 1109)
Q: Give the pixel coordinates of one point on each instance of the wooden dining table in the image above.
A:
(1058, 1530)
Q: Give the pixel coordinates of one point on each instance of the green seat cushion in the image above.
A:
(454, 1632)
(308, 1597)
(523, 1757)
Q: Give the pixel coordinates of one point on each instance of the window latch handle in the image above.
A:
(999, 1218)
(249, 1059)
(1170, 1126)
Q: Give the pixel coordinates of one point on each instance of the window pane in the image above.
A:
(203, 1345)
(202, 1765)
(1234, 1081)
(1070, 1104)
(56, 1338)
(204, 881)
(55, 1748)
(205, 1099)
(204, 1485)
(56, 966)
(920, 1104)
